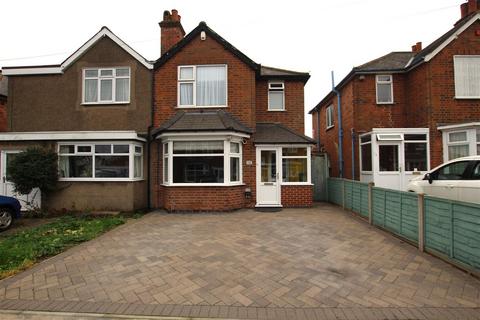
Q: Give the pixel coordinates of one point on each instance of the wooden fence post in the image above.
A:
(370, 202)
(343, 193)
(421, 222)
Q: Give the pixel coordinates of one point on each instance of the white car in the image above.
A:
(458, 179)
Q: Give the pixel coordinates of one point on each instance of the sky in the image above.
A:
(315, 36)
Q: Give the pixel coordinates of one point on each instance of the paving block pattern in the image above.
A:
(290, 261)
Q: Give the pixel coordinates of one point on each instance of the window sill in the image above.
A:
(385, 103)
(89, 104)
(201, 185)
(466, 98)
(200, 107)
(296, 184)
(328, 128)
(275, 110)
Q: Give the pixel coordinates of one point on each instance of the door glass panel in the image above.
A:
(269, 165)
(415, 156)
(388, 157)
(9, 159)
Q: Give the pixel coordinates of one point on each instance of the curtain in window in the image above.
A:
(122, 89)
(276, 100)
(457, 151)
(186, 147)
(106, 90)
(91, 90)
(467, 76)
(186, 94)
(211, 86)
(64, 167)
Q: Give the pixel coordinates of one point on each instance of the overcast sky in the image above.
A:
(315, 36)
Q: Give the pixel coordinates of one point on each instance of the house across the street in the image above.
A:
(204, 127)
(404, 113)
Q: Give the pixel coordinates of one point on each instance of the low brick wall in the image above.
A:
(297, 196)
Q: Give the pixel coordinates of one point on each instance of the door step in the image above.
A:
(268, 209)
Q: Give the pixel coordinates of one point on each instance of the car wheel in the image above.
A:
(6, 218)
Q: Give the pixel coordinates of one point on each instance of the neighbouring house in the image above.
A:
(3, 102)
(228, 133)
(404, 113)
(94, 109)
(203, 128)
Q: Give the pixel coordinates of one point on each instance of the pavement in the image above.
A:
(316, 263)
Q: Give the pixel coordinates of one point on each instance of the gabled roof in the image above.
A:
(58, 69)
(202, 26)
(393, 61)
(195, 121)
(276, 133)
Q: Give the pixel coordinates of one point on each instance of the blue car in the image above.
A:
(9, 210)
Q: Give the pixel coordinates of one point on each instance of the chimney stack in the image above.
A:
(417, 47)
(171, 30)
(472, 6)
(464, 10)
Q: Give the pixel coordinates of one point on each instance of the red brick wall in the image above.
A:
(293, 116)
(241, 81)
(3, 114)
(297, 196)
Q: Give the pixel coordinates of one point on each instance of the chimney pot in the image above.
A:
(472, 6)
(419, 46)
(464, 10)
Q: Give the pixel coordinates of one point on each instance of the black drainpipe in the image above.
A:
(149, 142)
(318, 130)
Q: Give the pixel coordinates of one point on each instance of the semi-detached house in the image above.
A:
(396, 117)
(202, 128)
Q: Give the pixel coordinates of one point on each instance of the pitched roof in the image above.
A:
(273, 73)
(393, 61)
(202, 26)
(276, 133)
(58, 69)
(261, 71)
(217, 120)
(389, 62)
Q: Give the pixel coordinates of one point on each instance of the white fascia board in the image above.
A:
(32, 70)
(452, 37)
(102, 33)
(459, 126)
(70, 135)
(399, 130)
(198, 135)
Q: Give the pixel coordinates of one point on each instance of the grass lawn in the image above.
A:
(21, 250)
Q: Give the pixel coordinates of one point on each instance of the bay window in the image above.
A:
(100, 161)
(458, 145)
(197, 162)
(202, 86)
(294, 164)
(106, 85)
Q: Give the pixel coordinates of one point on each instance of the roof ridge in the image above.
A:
(281, 69)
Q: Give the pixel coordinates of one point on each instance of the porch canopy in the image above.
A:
(275, 133)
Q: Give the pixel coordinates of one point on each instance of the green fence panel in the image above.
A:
(335, 191)
(438, 225)
(409, 228)
(348, 194)
(364, 200)
(378, 207)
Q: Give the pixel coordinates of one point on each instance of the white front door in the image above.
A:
(390, 165)
(268, 177)
(28, 201)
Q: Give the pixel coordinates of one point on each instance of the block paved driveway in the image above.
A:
(294, 264)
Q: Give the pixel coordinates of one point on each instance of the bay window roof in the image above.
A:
(202, 121)
(276, 133)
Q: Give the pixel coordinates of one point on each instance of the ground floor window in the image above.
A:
(294, 165)
(202, 162)
(100, 161)
(366, 153)
(461, 141)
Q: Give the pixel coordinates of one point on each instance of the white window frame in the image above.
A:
(226, 159)
(361, 153)
(309, 164)
(193, 82)
(131, 158)
(390, 82)
(455, 59)
(471, 141)
(114, 84)
(272, 89)
(329, 118)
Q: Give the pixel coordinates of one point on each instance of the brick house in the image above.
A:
(227, 132)
(202, 128)
(3, 102)
(94, 109)
(406, 112)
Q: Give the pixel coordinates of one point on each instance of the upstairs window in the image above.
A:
(106, 85)
(384, 89)
(202, 86)
(276, 96)
(467, 77)
(329, 116)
